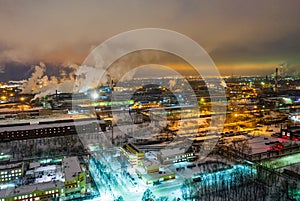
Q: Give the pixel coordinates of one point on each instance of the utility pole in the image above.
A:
(112, 134)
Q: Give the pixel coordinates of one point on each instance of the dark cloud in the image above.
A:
(10, 69)
(22, 71)
(232, 31)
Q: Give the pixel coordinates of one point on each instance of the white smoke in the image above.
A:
(41, 85)
(33, 82)
(172, 84)
(88, 77)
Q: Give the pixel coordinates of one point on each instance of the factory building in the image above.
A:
(133, 155)
(11, 172)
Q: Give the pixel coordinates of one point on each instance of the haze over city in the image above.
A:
(143, 100)
(243, 38)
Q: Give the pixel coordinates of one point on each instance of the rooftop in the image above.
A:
(151, 163)
(71, 167)
(34, 165)
(22, 190)
(42, 124)
(45, 168)
(172, 152)
(11, 166)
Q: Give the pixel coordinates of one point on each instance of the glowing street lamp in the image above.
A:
(94, 95)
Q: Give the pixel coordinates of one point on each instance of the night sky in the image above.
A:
(242, 37)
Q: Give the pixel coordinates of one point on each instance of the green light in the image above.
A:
(6, 156)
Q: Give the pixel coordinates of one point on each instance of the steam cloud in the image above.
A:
(41, 84)
(32, 83)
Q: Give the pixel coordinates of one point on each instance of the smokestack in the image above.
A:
(276, 81)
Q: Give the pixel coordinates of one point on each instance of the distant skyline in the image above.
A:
(242, 37)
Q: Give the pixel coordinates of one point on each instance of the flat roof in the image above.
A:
(172, 152)
(151, 162)
(23, 190)
(34, 165)
(48, 125)
(45, 168)
(71, 167)
(157, 175)
(10, 166)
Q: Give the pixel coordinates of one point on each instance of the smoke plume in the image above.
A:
(42, 85)
(33, 82)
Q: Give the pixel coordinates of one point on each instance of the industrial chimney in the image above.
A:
(276, 82)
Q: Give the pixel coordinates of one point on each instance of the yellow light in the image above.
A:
(236, 115)
(22, 99)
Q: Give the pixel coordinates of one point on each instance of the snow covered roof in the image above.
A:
(10, 166)
(41, 126)
(71, 167)
(172, 152)
(151, 163)
(45, 168)
(34, 165)
(23, 190)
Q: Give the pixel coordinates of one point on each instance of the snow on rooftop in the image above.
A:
(23, 190)
(45, 168)
(41, 126)
(34, 165)
(171, 152)
(53, 117)
(10, 166)
(158, 175)
(71, 167)
(150, 163)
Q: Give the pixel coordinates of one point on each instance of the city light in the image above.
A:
(95, 95)
(113, 127)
